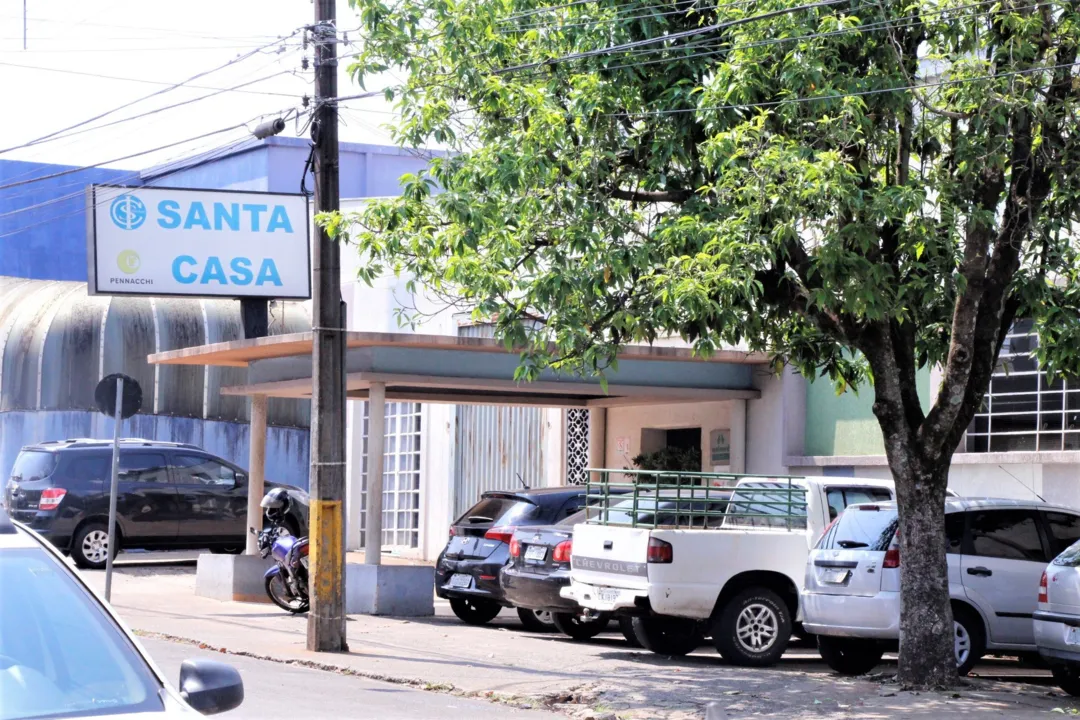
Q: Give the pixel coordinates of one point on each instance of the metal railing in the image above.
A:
(694, 500)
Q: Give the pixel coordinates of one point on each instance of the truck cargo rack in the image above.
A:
(694, 500)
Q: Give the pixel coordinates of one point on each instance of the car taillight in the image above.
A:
(502, 534)
(453, 532)
(1044, 596)
(515, 548)
(304, 550)
(563, 551)
(892, 558)
(660, 551)
(50, 498)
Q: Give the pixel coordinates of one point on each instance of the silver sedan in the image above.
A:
(1057, 620)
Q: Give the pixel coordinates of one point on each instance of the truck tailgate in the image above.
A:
(611, 556)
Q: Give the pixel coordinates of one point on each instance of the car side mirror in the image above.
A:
(211, 687)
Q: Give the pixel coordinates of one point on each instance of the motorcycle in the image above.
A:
(287, 581)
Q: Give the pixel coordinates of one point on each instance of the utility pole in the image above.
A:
(326, 619)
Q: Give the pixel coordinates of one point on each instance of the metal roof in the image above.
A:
(472, 370)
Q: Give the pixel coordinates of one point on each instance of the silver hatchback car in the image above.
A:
(1057, 621)
(997, 550)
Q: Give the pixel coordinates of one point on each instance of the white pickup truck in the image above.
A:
(719, 556)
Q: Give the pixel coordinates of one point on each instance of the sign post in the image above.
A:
(120, 396)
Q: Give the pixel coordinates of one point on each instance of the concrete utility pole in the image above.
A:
(326, 620)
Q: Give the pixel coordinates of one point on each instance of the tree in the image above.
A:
(670, 458)
(858, 188)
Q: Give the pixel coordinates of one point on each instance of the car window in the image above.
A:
(1069, 558)
(954, 532)
(195, 470)
(1064, 530)
(1008, 534)
(500, 511)
(33, 465)
(87, 468)
(767, 503)
(866, 527)
(840, 497)
(63, 655)
(143, 467)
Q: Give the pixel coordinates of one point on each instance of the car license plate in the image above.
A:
(608, 595)
(1073, 636)
(836, 577)
(535, 553)
(460, 580)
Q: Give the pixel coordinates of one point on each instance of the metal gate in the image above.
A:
(494, 445)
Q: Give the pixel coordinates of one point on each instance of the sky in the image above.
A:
(149, 44)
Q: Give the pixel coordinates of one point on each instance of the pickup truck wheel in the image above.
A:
(849, 656)
(572, 625)
(753, 628)
(475, 612)
(626, 625)
(667, 635)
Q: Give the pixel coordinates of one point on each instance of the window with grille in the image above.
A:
(1025, 409)
(401, 475)
(577, 445)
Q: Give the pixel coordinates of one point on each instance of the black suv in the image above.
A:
(467, 572)
(172, 496)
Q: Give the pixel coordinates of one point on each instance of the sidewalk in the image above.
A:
(599, 679)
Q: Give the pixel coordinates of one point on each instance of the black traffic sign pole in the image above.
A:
(122, 396)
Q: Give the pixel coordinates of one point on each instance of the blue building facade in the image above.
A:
(56, 342)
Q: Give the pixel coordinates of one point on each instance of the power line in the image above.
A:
(150, 112)
(141, 99)
(840, 96)
(143, 81)
(668, 38)
(155, 49)
(209, 156)
(171, 31)
(718, 45)
(618, 17)
(120, 159)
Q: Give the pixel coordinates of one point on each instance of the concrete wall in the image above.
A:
(287, 458)
(845, 424)
(628, 423)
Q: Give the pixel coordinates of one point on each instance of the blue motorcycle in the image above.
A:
(287, 581)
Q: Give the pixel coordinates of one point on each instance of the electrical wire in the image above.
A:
(141, 99)
(210, 156)
(171, 31)
(119, 159)
(157, 49)
(667, 38)
(624, 18)
(141, 80)
(840, 96)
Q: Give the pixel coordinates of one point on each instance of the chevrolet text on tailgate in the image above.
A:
(690, 555)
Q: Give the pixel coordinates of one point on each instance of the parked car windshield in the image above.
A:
(768, 503)
(861, 527)
(1069, 558)
(499, 511)
(679, 513)
(61, 655)
(33, 465)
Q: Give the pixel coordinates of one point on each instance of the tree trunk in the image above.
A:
(927, 657)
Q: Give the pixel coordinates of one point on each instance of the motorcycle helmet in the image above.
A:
(276, 504)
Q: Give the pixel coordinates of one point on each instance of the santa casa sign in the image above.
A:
(211, 243)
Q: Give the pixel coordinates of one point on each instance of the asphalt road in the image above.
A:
(286, 691)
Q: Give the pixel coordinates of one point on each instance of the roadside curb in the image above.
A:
(556, 702)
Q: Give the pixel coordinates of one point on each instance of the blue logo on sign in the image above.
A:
(128, 212)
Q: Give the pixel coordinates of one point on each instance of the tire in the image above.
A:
(90, 544)
(753, 629)
(849, 656)
(1068, 678)
(538, 621)
(277, 591)
(667, 635)
(475, 612)
(626, 626)
(572, 625)
(967, 626)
